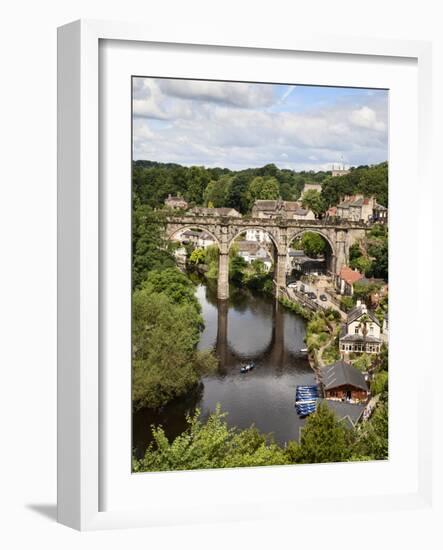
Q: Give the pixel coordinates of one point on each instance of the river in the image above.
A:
(246, 327)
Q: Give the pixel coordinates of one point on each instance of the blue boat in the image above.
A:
(306, 399)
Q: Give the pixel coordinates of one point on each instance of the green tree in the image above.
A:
(363, 291)
(197, 256)
(216, 191)
(373, 436)
(347, 303)
(165, 361)
(313, 244)
(323, 439)
(237, 267)
(263, 188)
(237, 192)
(211, 260)
(380, 383)
(363, 362)
(174, 284)
(149, 249)
(312, 200)
(198, 180)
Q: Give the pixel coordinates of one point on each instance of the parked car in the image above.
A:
(312, 295)
(292, 285)
(323, 298)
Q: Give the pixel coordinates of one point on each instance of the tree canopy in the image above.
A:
(312, 200)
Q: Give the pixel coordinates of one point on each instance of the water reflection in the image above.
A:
(245, 327)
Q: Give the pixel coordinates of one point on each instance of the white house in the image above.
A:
(252, 250)
(200, 239)
(258, 235)
(361, 333)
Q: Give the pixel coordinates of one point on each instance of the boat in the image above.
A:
(247, 367)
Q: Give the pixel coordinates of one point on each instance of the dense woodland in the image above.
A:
(153, 181)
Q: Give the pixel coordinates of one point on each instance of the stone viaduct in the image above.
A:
(339, 234)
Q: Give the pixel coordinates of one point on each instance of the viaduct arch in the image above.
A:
(340, 235)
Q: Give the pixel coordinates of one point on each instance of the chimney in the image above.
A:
(358, 303)
(364, 309)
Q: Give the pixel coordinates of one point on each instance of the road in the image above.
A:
(320, 287)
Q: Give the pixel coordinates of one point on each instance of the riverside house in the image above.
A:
(343, 382)
(361, 332)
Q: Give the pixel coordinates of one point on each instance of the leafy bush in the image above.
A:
(379, 383)
(347, 303)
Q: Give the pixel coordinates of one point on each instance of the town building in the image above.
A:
(359, 208)
(298, 261)
(379, 286)
(343, 382)
(337, 171)
(349, 413)
(224, 211)
(252, 250)
(311, 187)
(344, 281)
(291, 210)
(385, 328)
(361, 332)
(176, 203)
(380, 214)
(200, 239)
(258, 235)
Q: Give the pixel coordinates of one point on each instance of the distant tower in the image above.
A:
(341, 170)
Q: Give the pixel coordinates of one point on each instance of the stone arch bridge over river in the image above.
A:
(340, 235)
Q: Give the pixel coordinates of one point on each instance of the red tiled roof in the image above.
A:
(349, 275)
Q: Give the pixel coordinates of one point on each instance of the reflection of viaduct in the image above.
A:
(224, 230)
(274, 351)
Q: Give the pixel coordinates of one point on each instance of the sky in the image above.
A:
(240, 125)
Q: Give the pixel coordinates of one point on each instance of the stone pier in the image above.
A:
(223, 276)
(280, 273)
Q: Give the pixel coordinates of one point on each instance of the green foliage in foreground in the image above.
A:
(210, 444)
(213, 444)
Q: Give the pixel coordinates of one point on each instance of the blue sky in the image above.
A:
(240, 125)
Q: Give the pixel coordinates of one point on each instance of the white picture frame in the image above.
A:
(81, 471)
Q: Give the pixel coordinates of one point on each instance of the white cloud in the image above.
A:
(235, 94)
(367, 118)
(230, 125)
